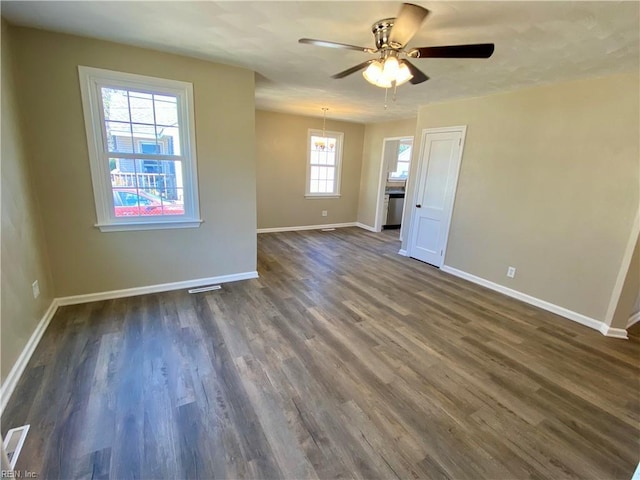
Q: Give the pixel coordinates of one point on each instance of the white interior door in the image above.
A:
(435, 193)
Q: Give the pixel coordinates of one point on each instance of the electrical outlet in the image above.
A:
(324, 213)
(36, 289)
(511, 272)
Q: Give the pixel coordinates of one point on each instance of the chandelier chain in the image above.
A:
(324, 121)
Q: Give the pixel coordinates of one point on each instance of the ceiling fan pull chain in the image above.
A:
(386, 90)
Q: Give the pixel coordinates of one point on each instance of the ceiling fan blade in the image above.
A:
(418, 75)
(406, 24)
(351, 70)
(479, 50)
(325, 43)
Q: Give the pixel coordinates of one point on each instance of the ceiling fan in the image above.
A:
(390, 69)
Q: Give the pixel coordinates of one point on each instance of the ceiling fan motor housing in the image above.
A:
(381, 30)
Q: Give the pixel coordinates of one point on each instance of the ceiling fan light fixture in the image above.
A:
(391, 67)
(403, 75)
(374, 74)
(387, 73)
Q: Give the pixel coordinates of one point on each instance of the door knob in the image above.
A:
(418, 206)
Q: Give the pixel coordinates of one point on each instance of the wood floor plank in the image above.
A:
(343, 360)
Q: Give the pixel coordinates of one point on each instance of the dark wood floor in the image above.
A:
(343, 360)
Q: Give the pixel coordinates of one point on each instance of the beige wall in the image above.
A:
(23, 246)
(85, 260)
(374, 135)
(549, 184)
(282, 168)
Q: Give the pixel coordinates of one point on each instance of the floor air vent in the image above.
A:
(204, 289)
(13, 443)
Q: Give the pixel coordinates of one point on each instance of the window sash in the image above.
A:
(336, 167)
(92, 82)
(138, 87)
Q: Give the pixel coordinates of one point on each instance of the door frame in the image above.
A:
(422, 164)
(382, 180)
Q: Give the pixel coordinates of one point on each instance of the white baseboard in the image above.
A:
(633, 319)
(163, 287)
(306, 227)
(403, 252)
(550, 307)
(366, 227)
(608, 331)
(11, 381)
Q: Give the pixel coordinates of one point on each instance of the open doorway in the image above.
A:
(394, 173)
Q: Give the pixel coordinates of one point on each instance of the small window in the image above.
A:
(141, 139)
(324, 164)
(404, 161)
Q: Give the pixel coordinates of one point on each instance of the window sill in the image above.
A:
(313, 196)
(128, 226)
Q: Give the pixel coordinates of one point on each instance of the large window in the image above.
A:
(324, 164)
(141, 139)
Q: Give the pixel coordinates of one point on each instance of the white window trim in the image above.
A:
(91, 79)
(339, 136)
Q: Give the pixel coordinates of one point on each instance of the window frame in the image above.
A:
(91, 82)
(339, 138)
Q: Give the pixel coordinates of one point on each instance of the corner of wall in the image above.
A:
(625, 291)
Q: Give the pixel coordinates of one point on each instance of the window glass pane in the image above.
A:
(331, 158)
(163, 176)
(313, 186)
(166, 110)
(173, 201)
(119, 137)
(314, 174)
(138, 202)
(331, 173)
(323, 173)
(115, 104)
(122, 172)
(141, 107)
(169, 137)
(150, 181)
(154, 176)
(143, 135)
(322, 186)
(125, 202)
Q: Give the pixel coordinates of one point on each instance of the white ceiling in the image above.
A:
(536, 43)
